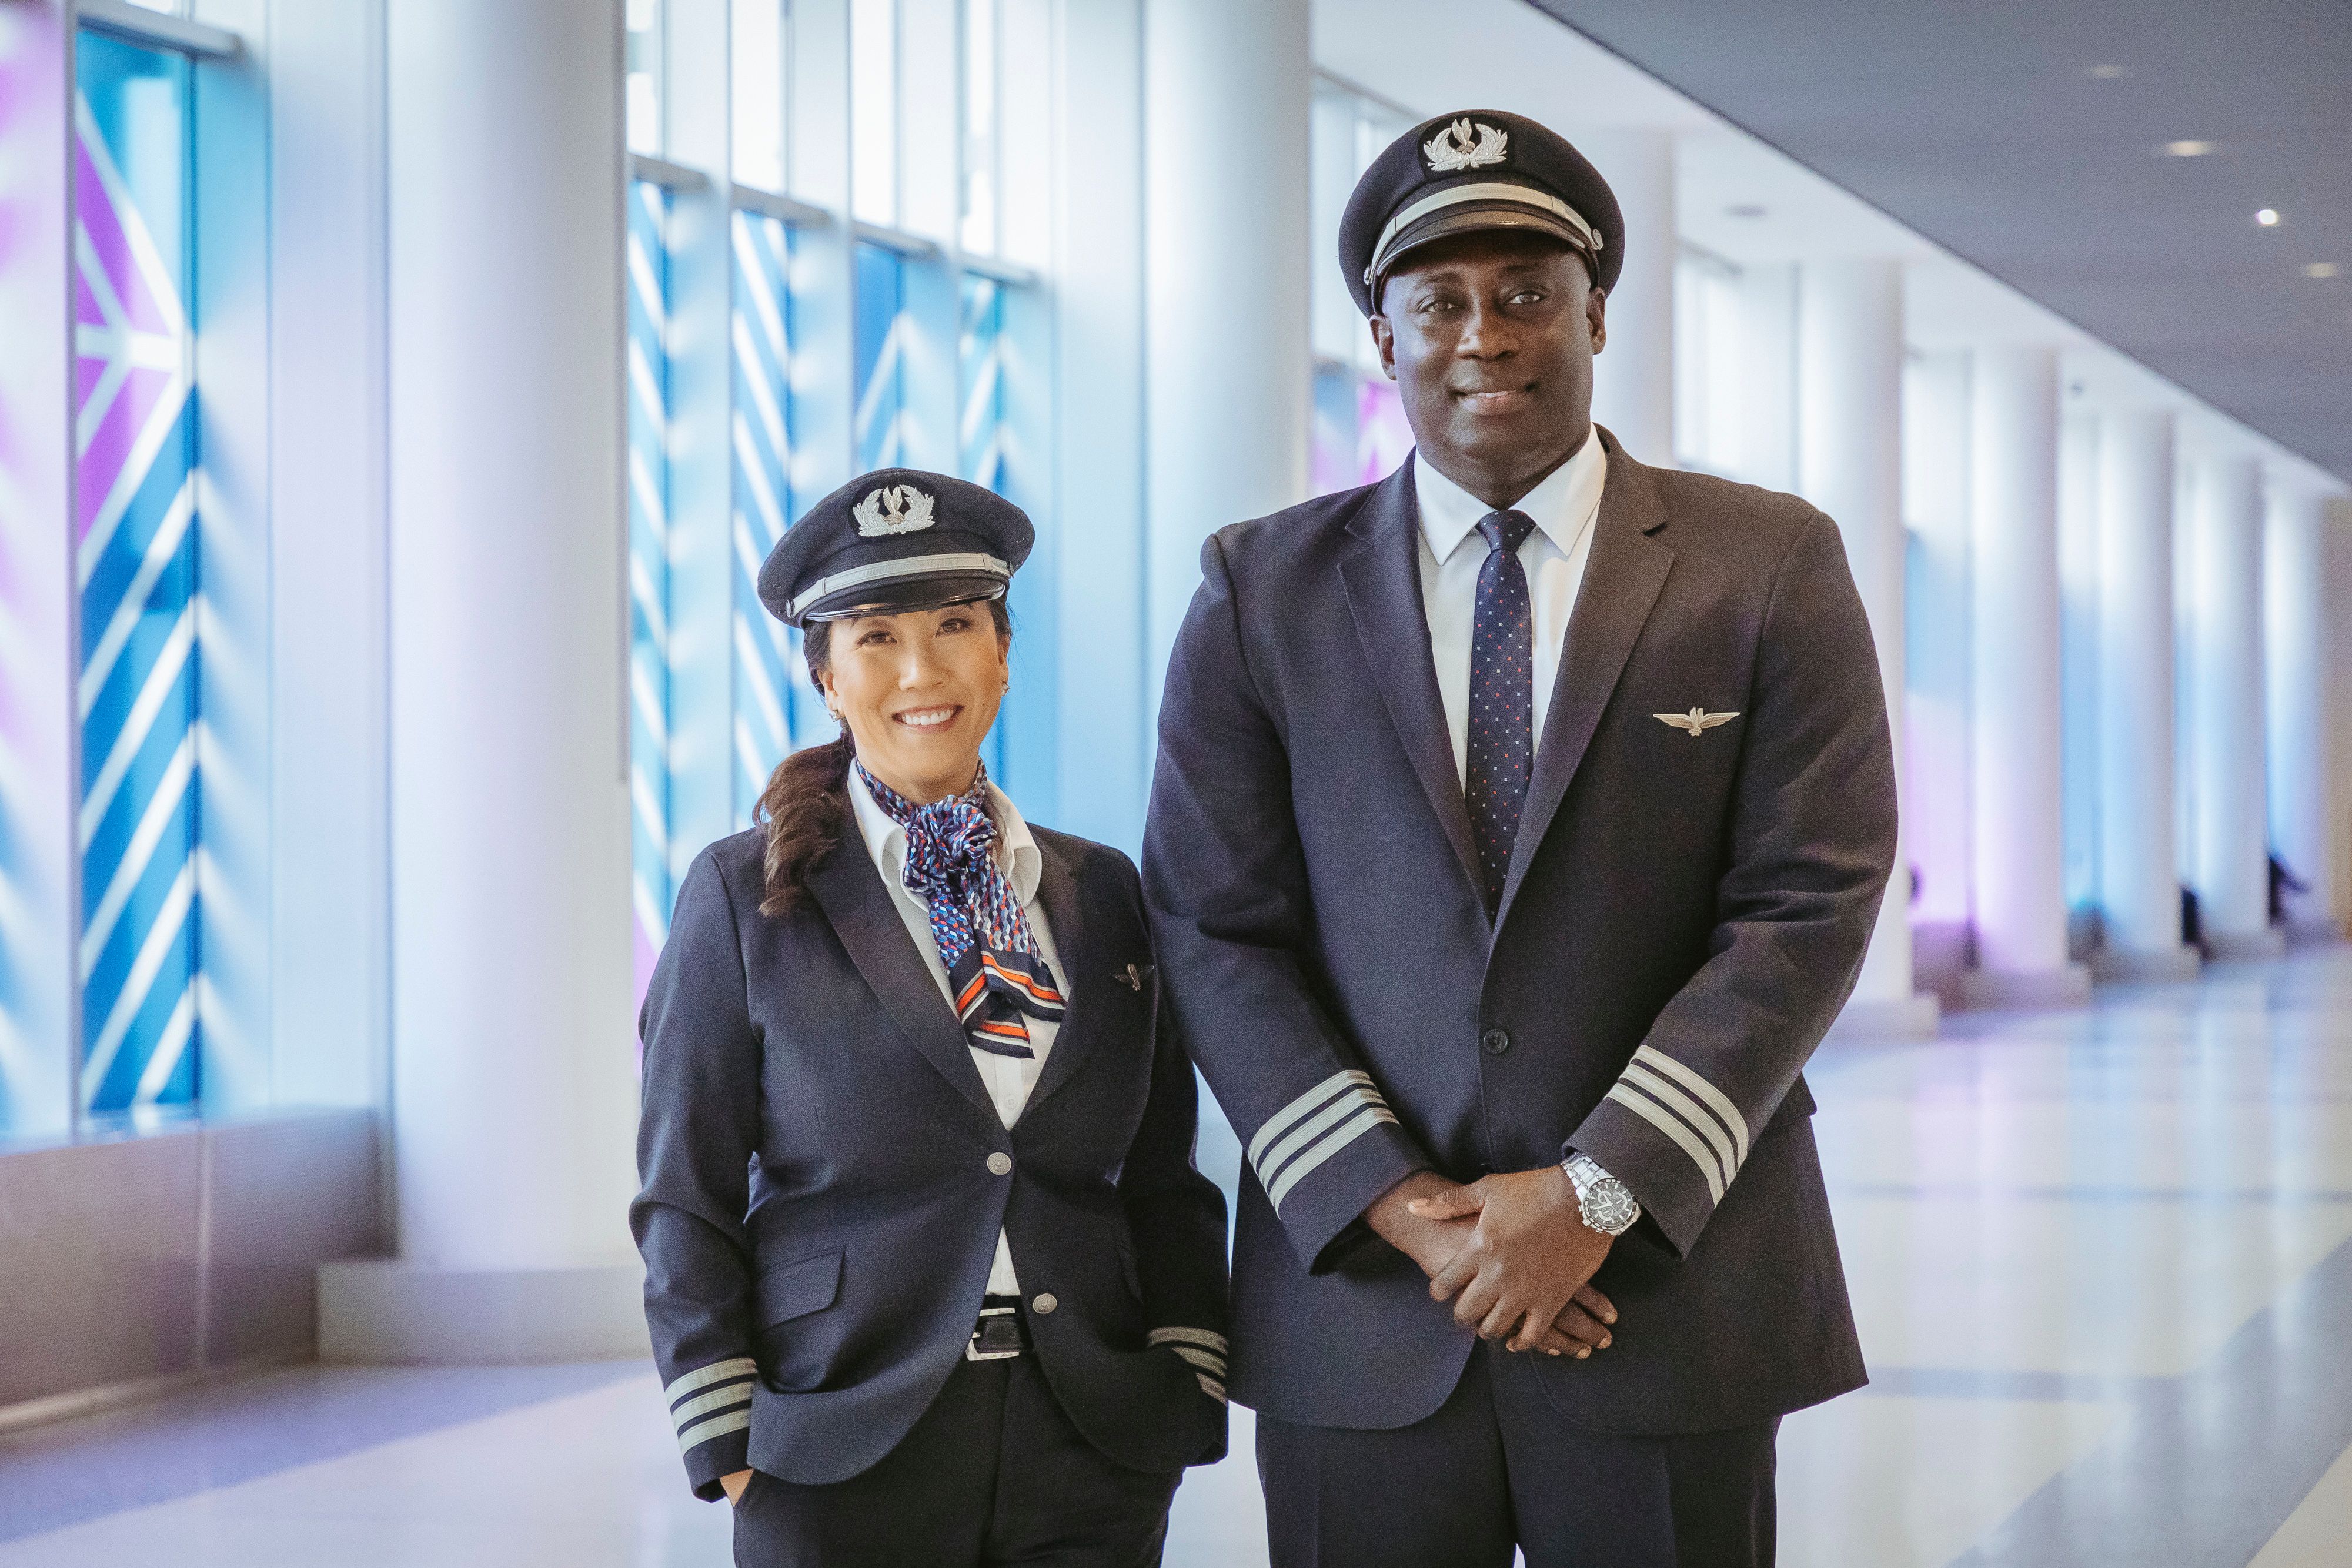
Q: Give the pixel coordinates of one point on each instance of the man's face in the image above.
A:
(1490, 338)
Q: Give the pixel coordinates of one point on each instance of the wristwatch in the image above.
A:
(1606, 1203)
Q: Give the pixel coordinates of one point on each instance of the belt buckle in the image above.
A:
(971, 1351)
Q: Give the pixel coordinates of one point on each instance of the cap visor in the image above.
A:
(1471, 218)
(933, 593)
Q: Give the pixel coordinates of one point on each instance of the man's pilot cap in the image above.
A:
(897, 539)
(1477, 168)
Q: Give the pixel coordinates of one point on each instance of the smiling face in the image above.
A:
(918, 691)
(1489, 337)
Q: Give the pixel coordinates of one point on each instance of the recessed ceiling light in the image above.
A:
(2187, 149)
(2321, 269)
(2267, 217)
(1745, 210)
(2107, 73)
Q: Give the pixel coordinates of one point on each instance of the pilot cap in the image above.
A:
(1477, 168)
(897, 539)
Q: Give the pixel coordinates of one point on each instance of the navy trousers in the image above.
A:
(1496, 1466)
(993, 1473)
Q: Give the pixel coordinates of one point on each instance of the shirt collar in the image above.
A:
(1561, 503)
(1017, 854)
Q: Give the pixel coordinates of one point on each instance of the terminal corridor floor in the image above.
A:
(2102, 1260)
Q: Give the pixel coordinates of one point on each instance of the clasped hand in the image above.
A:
(1512, 1254)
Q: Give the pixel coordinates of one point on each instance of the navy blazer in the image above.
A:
(1685, 915)
(819, 1212)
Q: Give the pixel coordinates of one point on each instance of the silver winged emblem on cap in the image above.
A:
(892, 509)
(1695, 723)
(1462, 145)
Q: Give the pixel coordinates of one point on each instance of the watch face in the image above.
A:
(1609, 1207)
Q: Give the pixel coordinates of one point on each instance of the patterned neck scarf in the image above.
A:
(996, 970)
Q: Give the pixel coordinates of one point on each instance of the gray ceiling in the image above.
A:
(1979, 123)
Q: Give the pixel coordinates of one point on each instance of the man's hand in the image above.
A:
(1429, 1241)
(734, 1486)
(1525, 1272)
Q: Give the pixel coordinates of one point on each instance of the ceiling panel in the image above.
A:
(2030, 138)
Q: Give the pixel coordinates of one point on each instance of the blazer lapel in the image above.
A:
(848, 888)
(1383, 582)
(1084, 972)
(1623, 578)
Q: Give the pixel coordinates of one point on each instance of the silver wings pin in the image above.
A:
(1695, 722)
(892, 509)
(1465, 145)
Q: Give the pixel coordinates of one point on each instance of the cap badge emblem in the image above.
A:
(892, 509)
(1462, 145)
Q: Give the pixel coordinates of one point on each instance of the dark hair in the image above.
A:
(806, 807)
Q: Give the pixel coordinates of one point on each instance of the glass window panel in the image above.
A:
(874, 110)
(980, 430)
(758, 44)
(1708, 365)
(137, 559)
(980, 366)
(881, 330)
(980, 126)
(776, 710)
(642, 92)
(1359, 434)
(649, 518)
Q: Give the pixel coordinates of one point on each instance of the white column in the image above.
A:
(1634, 379)
(513, 1073)
(2139, 887)
(1937, 790)
(1226, 90)
(2019, 902)
(2340, 664)
(1100, 552)
(2229, 853)
(2300, 704)
(1850, 465)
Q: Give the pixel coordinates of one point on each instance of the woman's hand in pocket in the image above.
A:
(735, 1486)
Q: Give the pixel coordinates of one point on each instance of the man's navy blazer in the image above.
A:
(1685, 913)
(820, 1212)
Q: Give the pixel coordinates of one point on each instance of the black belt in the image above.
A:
(1001, 1333)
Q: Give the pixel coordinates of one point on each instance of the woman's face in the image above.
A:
(918, 691)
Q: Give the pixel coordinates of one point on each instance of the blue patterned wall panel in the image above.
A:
(774, 709)
(650, 522)
(139, 821)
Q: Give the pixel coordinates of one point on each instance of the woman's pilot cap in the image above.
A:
(897, 539)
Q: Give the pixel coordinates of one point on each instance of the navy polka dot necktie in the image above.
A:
(1502, 698)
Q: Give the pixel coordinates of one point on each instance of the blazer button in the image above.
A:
(1495, 1041)
(1045, 1303)
(1000, 1165)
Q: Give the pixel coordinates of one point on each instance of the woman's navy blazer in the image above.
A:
(825, 1176)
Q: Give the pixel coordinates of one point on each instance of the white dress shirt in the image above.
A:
(1453, 552)
(1009, 1078)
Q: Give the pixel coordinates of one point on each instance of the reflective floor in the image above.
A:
(2102, 1260)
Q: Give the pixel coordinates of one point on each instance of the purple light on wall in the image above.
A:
(127, 336)
(1382, 436)
(1359, 434)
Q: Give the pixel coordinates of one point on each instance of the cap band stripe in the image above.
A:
(885, 570)
(1489, 191)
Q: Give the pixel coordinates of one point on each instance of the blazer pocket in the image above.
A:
(795, 1289)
